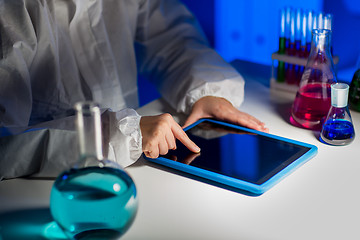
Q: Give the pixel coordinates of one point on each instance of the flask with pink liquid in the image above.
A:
(313, 99)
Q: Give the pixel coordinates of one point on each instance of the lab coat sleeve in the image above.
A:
(46, 147)
(174, 54)
(124, 134)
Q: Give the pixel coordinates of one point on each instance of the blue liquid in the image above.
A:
(94, 202)
(338, 132)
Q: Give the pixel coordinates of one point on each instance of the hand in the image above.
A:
(221, 109)
(159, 134)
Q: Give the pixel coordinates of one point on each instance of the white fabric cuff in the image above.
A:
(230, 89)
(125, 143)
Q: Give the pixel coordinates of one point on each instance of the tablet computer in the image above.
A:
(238, 157)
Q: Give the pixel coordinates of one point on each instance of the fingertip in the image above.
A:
(193, 147)
(197, 149)
(147, 154)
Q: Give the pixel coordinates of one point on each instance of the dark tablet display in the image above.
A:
(237, 153)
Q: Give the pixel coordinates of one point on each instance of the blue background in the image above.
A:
(249, 30)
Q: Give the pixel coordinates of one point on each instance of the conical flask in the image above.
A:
(338, 128)
(96, 199)
(354, 93)
(313, 99)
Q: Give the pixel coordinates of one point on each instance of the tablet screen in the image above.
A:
(240, 154)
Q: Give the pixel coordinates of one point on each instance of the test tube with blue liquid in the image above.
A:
(338, 128)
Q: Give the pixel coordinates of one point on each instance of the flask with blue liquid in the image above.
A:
(96, 199)
(338, 128)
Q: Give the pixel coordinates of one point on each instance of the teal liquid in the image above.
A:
(94, 202)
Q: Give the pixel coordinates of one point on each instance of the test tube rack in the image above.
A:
(283, 86)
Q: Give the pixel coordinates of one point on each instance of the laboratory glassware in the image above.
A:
(338, 128)
(309, 28)
(354, 92)
(303, 52)
(313, 99)
(298, 37)
(290, 74)
(320, 18)
(281, 64)
(96, 199)
(328, 23)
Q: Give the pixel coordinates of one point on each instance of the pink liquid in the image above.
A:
(311, 105)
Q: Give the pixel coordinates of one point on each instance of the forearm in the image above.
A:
(48, 148)
(176, 57)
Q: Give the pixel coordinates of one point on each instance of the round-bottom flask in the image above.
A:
(96, 199)
(338, 128)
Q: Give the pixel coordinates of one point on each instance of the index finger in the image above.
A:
(184, 139)
(246, 120)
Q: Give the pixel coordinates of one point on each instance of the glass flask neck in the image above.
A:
(339, 95)
(88, 122)
(320, 42)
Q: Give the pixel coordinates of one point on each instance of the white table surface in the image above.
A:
(320, 200)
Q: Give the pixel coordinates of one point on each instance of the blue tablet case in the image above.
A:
(299, 154)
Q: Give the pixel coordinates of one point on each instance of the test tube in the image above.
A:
(298, 30)
(287, 27)
(290, 75)
(315, 22)
(320, 20)
(328, 20)
(309, 28)
(282, 47)
(291, 49)
(298, 24)
(303, 51)
(303, 35)
(287, 35)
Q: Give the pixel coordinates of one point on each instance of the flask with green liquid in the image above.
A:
(354, 92)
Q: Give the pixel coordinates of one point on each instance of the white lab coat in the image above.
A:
(57, 52)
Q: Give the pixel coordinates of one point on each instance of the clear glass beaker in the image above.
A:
(313, 99)
(338, 128)
(96, 199)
